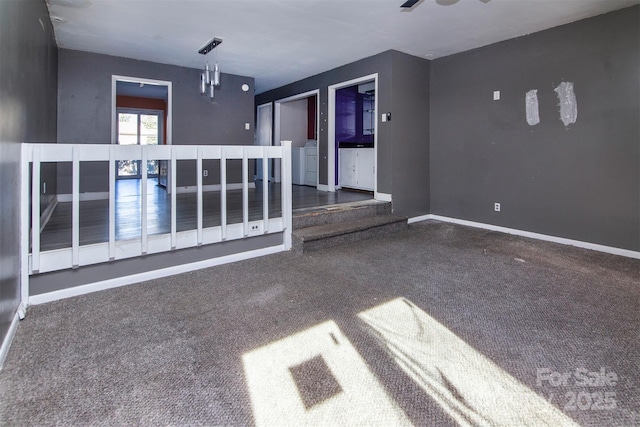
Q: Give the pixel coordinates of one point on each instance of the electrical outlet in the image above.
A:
(205, 172)
(247, 126)
(496, 207)
(496, 95)
(255, 227)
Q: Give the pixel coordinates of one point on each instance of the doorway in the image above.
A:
(354, 129)
(141, 114)
(296, 119)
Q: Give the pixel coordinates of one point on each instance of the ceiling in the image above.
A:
(281, 41)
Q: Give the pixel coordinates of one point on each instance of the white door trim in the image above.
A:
(331, 130)
(276, 127)
(115, 79)
(114, 131)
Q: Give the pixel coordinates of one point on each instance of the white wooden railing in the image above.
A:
(33, 155)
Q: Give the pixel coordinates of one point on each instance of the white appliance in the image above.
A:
(311, 163)
(298, 166)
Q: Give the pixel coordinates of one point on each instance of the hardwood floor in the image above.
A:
(94, 214)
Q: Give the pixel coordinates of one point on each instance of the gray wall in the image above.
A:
(84, 110)
(380, 64)
(579, 182)
(403, 143)
(28, 85)
(410, 127)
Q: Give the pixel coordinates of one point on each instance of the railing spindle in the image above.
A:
(285, 172)
(265, 191)
(75, 207)
(199, 194)
(172, 179)
(143, 200)
(35, 211)
(245, 191)
(223, 194)
(112, 202)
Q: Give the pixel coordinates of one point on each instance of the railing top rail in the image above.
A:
(98, 152)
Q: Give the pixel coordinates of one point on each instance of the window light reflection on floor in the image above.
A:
(468, 386)
(316, 377)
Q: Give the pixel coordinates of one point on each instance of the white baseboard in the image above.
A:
(419, 218)
(383, 197)
(98, 195)
(6, 343)
(212, 187)
(547, 238)
(46, 214)
(323, 187)
(150, 275)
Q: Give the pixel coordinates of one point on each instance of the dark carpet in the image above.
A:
(436, 325)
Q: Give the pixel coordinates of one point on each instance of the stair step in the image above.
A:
(339, 213)
(333, 234)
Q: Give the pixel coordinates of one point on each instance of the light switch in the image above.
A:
(384, 117)
(496, 95)
(247, 126)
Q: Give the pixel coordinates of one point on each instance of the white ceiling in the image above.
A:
(281, 41)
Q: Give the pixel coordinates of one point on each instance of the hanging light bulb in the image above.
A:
(216, 75)
(211, 90)
(203, 84)
(207, 73)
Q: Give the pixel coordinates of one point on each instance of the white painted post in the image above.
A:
(286, 191)
(172, 180)
(35, 211)
(112, 202)
(245, 191)
(265, 192)
(199, 194)
(75, 207)
(223, 193)
(143, 208)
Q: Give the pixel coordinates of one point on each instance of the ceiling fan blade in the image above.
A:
(409, 4)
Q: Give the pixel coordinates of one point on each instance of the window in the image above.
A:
(138, 127)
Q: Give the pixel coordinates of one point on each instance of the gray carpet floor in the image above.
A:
(437, 325)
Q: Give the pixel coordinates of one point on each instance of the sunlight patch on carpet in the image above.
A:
(316, 377)
(467, 385)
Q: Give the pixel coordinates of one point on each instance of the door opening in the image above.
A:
(352, 134)
(296, 120)
(141, 113)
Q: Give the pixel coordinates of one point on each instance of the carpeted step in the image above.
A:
(329, 235)
(339, 213)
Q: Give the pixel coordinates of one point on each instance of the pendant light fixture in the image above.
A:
(209, 79)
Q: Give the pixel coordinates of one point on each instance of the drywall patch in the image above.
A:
(531, 101)
(568, 103)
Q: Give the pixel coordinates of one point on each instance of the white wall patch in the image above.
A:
(531, 101)
(568, 103)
